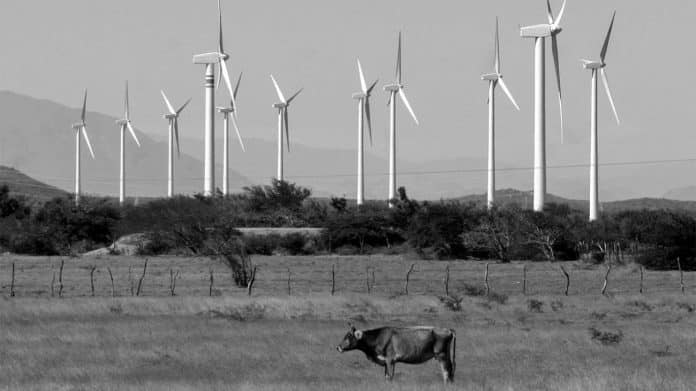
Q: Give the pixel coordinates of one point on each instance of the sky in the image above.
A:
(55, 49)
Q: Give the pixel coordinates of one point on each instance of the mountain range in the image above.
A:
(36, 138)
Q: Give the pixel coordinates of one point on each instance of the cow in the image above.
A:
(387, 346)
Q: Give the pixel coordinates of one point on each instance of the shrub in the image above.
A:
(605, 337)
(535, 305)
(438, 227)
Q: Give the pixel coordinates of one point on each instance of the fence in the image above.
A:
(278, 276)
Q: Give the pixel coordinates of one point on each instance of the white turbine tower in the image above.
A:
(173, 118)
(595, 67)
(363, 98)
(396, 88)
(80, 127)
(210, 60)
(226, 111)
(124, 124)
(282, 108)
(493, 80)
(540, 32)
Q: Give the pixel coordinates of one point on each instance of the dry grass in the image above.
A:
(267, 343)
(312, 275)
(274, 342)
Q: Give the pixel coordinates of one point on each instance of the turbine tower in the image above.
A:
(393, 89)
(124, 124)
(363, 98)
(226, 111)
(540, 32)
(493, 80)
(210, 60)
(598, 67)
(282, 108)
(80, 127)
(173, 118)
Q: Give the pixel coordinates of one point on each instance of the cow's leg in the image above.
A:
(389, 369)
(447, 372)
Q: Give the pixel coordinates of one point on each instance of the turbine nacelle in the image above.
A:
(491, 77)
(540, 31)
(393, 87)
(79, 126)
(280, 105)
(359, 95)
(122, 122)
(593, 65)
(207, 58)
(170, 116)
(225, 110)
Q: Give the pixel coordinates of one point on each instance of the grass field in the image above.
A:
(272, 341)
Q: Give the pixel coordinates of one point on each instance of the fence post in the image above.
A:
(12, 285)
(367, 280)
(289, 278)
(606, 280)
(524, 279)
(408, 278)
(212, 281)
(91, 277)
(447, 278)
(333, 279)
(142, 277)
(60, 278)
(485, 281)
(567, 278)
(641, 279)
(681, 275)
(113, 287)
(53, 282)
(251, 281)
(130, 280)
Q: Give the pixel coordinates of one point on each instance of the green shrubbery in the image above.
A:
(440, 230)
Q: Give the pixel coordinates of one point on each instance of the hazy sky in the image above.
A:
(53, 49)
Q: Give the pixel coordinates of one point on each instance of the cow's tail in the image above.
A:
(452, 352)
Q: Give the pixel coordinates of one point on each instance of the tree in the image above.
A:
(497, 232)
(439, 227)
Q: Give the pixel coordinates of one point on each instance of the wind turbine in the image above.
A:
(598, 67)
(226, 111)
(540, 32)
(282, 107)
(363, 98)
(210, 60)
(124, 124)
(393, 89)
(493, 80)
(173, 118)
(80, 127)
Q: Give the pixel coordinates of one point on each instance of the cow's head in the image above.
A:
(351, 340)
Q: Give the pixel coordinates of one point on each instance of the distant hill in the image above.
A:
(525, 199)
(682, 194)
(23, 185)
(36, 138)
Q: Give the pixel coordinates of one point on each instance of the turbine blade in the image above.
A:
(554, 41)
(372, 87)
(408, 105)
(221, 48)
(239, 135)
(132, 132)
(183, 107)
(363, 84)
(295, 96)
(508, 93)
(398, 61)
(236, 87)
(560, 14)
(605, 79)
(176, 136)
(368, 116)
(549, 12)
(497, 48)
(219, 80)
(278, 91)
(89, 145)
(127, 103)
(169, 105)
(84, 107)
(228, 82)
(603, 54)
(287, 127)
